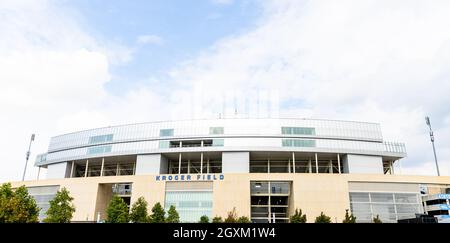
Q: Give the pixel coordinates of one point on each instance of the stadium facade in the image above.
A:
(264, 168)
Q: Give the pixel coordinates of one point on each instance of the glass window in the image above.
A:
(216, 130)
(99, 149)
(101, 139)
(405, 198)
(382, 197)
(259, 187)
(298, 143)
(191, 205)
(359, 197)
(166, 132)
(298, 130)
(164, 144)
(217, 142)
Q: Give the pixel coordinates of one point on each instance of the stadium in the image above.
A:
(263, 168)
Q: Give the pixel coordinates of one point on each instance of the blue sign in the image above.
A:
(187, 177)
(444, 196)
(444, 207)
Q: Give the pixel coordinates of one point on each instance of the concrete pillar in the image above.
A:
(207, 167)
(71, 169)
(310, 166)
(201, 161)
(339, 163)
(117, 169)
(179, 163)
(331, 166)
(268, 165)
(39, 171)
(87, 167)
(189, 166)
(317, 164)
(103, 166)
(293, 161)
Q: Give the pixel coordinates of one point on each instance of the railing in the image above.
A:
(394, 147)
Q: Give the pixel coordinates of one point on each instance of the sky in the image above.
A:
(71, 65)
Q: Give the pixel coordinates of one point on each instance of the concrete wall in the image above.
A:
(362, 164)
(313, 193)
(58, 171)
(148, 164)
(235, 162)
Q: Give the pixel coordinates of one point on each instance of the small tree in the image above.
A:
(243, 219)
(217, 219)
(322, 219)
(232, 217)
(377, 220)
(17, 206)
(61, 208)
(172, 215)
(139, 211)
(158, 214)
(298, 217)
(117, 211)
(204, 219)
(349, 219)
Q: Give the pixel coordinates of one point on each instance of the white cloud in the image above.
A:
(380, 61)
(149, 39)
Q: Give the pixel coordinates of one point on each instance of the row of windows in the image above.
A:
(99, 150)
(101, 139)
(298, 130)
(298, 143)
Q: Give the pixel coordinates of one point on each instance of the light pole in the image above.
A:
(427, 119)
(28, 156)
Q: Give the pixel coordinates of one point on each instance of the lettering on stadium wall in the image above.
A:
(199, 177)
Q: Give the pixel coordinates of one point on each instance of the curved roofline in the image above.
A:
(210, 119)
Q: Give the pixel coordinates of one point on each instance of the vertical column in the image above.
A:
(207, 167)
(317, 164)
(289, 165)
(201, 161)
(39, 171)
(117, 169)
(87, 167)
(331, 166)
(393, 171)
(179, 163)
(103, 166)
(268, 165)
(339, 163)
(309, 165)
(189, 166)
(71, 169)
(390, 167)
(134, 168)
(293, 161)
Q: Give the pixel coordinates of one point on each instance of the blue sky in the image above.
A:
(185, 28)
(71, 65)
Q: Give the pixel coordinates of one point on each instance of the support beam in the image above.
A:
(317, 164)
(134, 168)
(117, 169)
(87, 167)
(189, 166)
(289, 166)
(207, 166)
(71, 169)
(309, 165)
(39, 172)
(339, 163)
(331, 167)
(392, 165)
(268, 165)
(103, 166)
(293, 161)
(179, 163)
(201, 161)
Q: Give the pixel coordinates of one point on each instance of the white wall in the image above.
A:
(58, 171)
(148, 164)
(363, 164)
(235, 162)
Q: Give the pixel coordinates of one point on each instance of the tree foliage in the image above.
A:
(17, 206)
(322, 218)
(243, 219)
(217, 219)
(61, 208)
(139, 212)
(349, 219)
(117, 211)
(231, 217)
(204, 219)
(298, 217)
(172, 215)
(377, 220)
(158, 214)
